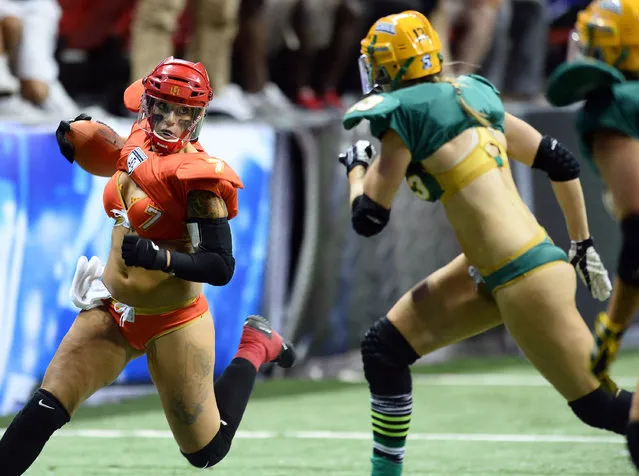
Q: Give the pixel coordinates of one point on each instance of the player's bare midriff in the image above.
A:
(139, 287)
(490, 220)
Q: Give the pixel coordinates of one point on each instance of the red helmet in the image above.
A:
(176, 95)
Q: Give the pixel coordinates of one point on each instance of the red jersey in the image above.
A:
(166, 180)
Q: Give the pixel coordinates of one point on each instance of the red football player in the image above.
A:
(171, 203)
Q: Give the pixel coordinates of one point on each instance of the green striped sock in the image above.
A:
(391, 421)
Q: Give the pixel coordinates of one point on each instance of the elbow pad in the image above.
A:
(368, 218)
(213, 260)
(557, 161)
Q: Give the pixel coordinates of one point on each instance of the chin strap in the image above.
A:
(165, 145)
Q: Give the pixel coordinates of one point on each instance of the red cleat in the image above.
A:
(259, 335)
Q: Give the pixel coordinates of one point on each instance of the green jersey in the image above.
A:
(427, 116)
(611, 102)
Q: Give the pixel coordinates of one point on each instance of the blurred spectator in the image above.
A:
(10, 31)
(214, 30)
(94, 64)
(264, 97)
(472, 25)
(30, 44)
(88, 24)
(332, 25)
(516, 64)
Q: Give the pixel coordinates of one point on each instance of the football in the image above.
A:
(97, 147)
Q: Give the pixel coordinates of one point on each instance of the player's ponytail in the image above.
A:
(471, 111)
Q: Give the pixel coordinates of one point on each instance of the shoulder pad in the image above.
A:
(368, 108)
(202, 172)
(202, 166)
(483, 80)
(572, 82)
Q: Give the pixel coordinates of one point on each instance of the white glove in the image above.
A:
(87, 289)
(361, 153)
(590, 269)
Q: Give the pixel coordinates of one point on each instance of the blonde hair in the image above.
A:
(471, 111)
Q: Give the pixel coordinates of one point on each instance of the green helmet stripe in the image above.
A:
(402, 71)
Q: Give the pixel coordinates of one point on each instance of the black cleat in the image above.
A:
(286, 356)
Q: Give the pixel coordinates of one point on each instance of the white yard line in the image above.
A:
(498, 380)
(343, 435)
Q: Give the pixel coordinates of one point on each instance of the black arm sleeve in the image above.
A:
(212, 262)
(557, 161)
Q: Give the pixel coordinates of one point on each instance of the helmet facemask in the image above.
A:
(596, 42)
(576, 50)
(373, 81)
(170, 125)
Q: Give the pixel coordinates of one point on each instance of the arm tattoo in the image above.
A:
(205, 204)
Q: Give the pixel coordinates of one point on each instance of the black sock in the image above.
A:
(29, 431)
(602, 409)
(232, 391)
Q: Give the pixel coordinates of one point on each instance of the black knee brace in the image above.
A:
(386, 355)
(628, 267)
(602, 409)
(212, 453)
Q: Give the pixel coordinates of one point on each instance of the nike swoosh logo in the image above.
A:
(223, 422)
(42, 404)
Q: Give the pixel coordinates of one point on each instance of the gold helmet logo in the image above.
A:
(175, 91)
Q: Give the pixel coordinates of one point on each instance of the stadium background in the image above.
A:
(298, 261)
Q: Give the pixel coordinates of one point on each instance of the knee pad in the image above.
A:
(386, 356)
(604, 410)
(212, 453)
(628, 267)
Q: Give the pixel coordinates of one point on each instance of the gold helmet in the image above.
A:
(398, 48)
(608, 30)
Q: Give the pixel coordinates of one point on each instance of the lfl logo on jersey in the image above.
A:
(136, 157)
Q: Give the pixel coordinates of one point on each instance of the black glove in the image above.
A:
(361, 153)
(143, 252)
(66, 147)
